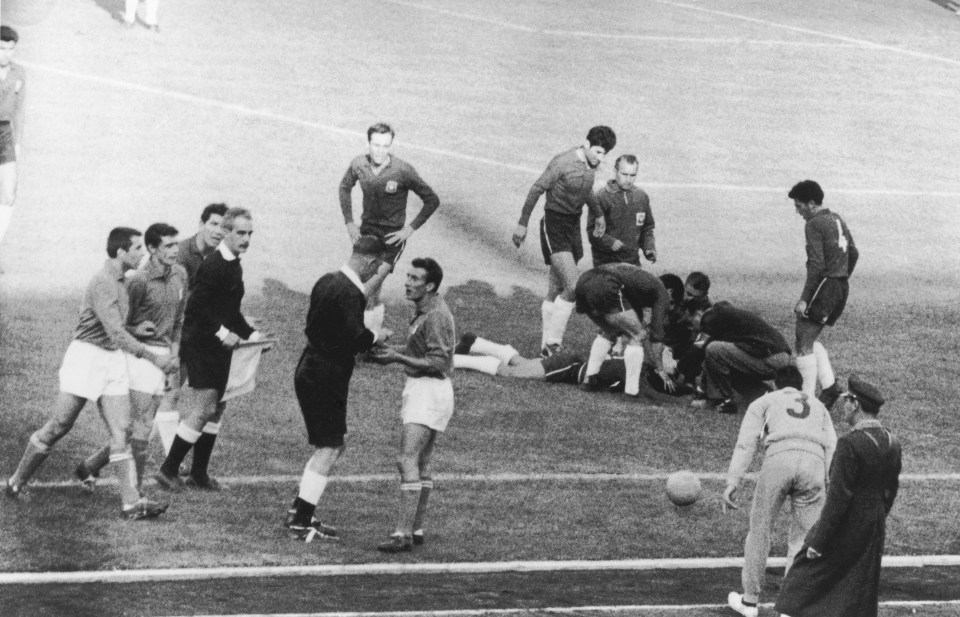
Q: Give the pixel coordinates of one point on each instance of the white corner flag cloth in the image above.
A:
(243, 371)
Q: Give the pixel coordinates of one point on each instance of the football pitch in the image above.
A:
(726, 103)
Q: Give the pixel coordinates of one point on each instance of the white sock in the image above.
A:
(598, 353)
(312, 485)
(546, 312)
(212, 428)
(151, 12)
(373, 319)
(6, 213)
(562, 309)
(187, 434)
(130, 12)
(484, 347)
(807, 365)
(483, 364)
(633, 362)
(166, 424)
(824, 370)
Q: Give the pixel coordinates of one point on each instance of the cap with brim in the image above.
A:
(867, 394)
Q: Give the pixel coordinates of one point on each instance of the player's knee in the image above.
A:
(51, 432)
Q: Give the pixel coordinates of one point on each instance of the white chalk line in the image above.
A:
(621, 37)
(820, 33)
(266, 114)
(561, 610)
(495, 477)
(401, 569)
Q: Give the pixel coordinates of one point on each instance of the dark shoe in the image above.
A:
(167, 482)
(206, 483)
(590, 383)
(726, 406)
(12, 490)
(154, 28)
(550, 350)
(307, 533)
(418, 538)
(144, 509)
(396, 544)
(830, 395)
(466, 342)
(88, 480)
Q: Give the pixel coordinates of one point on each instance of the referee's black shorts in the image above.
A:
(560, 233)
(322, 386)
(207, 366)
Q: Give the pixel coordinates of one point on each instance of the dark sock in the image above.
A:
(305, 510)
(178, 451)
(201, 455)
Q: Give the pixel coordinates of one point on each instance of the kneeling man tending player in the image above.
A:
(427, 397)
(95, 369)
(831, 258)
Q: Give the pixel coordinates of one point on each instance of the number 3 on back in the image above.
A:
(805, 406)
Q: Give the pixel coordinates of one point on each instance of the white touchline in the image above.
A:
(494, 477)
(389, 569)
(836, 37)
(450, 154)
(560, 610)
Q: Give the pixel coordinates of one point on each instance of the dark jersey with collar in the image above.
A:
(385, 195)
(831, 252)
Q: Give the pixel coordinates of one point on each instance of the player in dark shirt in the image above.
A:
(568, 184)
(386, 182)
(831, 258)
(629, 220)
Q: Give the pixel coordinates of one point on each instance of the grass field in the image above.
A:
(727, 103)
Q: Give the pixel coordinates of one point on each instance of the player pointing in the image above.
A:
(831, 257)
(386, 181)
(568, 183)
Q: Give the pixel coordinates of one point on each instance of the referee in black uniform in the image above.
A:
(335, 335)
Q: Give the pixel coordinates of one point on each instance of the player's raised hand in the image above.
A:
(728, 498)
(519, 234)
(398, 237)
(354, 232)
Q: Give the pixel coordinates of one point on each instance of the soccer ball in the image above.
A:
(683, 488)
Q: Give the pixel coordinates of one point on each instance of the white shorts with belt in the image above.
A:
(90, 372)
(427, 401)
(145, 376)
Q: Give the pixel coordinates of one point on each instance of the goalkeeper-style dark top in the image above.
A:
(385, 195)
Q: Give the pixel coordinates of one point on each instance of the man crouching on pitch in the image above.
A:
(427, 397)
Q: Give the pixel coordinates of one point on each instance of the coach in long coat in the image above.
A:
(838, 571)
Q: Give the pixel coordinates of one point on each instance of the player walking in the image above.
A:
(627, 216)
(568, 183)
(386, 181)
(95, 369)
(13, 91)
(831, 258)
(799, 442)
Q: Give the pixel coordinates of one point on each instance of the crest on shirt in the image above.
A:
(641, 217)
(391, 186)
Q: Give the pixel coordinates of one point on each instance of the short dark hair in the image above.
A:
(432, 268)
(235, 213)
(381, 128)
(807, 191)
(699, 281)
(156, 232)
(788, 377)
(218, 209)
(602, 136)
(629, 159)
(674, 285)
(8, 34)
(369, 246)
(121, 238)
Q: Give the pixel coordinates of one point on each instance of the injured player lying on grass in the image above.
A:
(479, 354)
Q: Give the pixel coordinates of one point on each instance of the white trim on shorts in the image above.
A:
(427, 401)
(89, 371)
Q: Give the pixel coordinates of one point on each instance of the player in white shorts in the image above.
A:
(94, 368)
(157, 296)
(427, 397)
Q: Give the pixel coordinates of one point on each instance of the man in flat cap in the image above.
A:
(838, 570)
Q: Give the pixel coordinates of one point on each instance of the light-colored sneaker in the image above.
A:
(735, 601)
